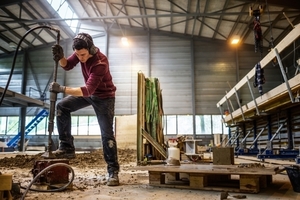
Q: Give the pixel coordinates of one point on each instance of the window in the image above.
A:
(42, 127)
(94, 128)
(217, 125)
(83, 126)
(185, 125)
(74, 126)
(12, 125)
(170, 125)
(203, 124)
(88, 125)
(64, 10)
(3, 122)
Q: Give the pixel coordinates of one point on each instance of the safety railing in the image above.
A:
(269, 99)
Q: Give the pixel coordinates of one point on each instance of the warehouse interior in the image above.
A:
(196, 115)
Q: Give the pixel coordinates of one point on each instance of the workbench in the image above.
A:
(231, 178)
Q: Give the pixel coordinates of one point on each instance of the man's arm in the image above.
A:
(58, 55)
(55, 87)
(74, 91)
(63, 62)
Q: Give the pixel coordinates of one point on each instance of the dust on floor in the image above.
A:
(90, 181)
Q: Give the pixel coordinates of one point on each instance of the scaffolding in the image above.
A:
(279, 135)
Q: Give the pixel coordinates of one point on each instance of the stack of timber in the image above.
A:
(150, 138)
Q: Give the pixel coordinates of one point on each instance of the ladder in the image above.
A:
(31, 125)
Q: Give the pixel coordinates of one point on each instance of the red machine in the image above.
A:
(55, 175)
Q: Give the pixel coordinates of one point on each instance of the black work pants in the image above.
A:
(104, 109)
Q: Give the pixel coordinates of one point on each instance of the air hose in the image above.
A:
(52, 190)
(1, 100)
(16, 53)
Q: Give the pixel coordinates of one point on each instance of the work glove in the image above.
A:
(57, 52)
(55, 87)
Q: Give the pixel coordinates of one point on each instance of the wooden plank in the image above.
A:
(263, 181)
(198, 181)
(154, 143)
(156, 178)
(211, 169)
(293, 35)
(249, 183)
(140, 114)
(214, 177)
(172, 176)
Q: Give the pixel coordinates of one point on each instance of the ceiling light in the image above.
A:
(235, 40)
(124, 41)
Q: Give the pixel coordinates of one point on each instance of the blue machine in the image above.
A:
(242, 150)
(269, 152)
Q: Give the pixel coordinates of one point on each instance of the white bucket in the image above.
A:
(174, 152)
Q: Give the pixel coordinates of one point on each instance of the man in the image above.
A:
(98, 91)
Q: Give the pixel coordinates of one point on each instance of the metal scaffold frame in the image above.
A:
(269, 100)
(281, 98)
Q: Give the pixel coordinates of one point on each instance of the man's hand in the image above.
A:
(55, 87)
(57, 52)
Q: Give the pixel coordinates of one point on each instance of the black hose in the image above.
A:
(53, 190)
(16, 53)
(271, 44)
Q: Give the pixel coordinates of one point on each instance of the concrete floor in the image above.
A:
(280, 189)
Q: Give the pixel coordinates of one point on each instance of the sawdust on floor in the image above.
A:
(90, 180)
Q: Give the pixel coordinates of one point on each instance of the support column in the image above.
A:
(289, 130)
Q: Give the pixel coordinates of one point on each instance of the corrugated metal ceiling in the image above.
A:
(214, 19)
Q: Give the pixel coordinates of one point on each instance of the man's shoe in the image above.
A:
(62, 153)
(113, 179)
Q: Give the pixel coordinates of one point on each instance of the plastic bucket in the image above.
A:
(174, 152)
(294, 176)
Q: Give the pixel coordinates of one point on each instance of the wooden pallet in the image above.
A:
(229, 178)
